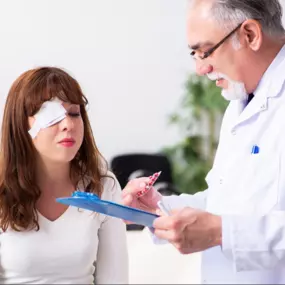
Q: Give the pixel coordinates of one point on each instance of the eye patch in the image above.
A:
(50, 113)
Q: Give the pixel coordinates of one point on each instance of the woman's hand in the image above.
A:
(147, 202)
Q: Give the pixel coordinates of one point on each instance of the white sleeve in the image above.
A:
(112, 266)
(197, 201)
(254, 243)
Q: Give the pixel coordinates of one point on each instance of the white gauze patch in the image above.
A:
(50, 113)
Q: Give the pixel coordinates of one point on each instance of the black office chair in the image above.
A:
(135, 165)
(129, 166)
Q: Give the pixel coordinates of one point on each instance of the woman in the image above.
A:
(48, 151)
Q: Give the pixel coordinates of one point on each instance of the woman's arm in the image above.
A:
(112, 258)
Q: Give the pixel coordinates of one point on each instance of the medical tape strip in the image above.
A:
(50, 113)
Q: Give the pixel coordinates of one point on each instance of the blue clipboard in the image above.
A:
(92, 202)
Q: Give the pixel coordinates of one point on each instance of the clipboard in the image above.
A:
(92, 202)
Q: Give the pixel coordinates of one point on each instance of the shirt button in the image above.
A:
(221, 180)
(234, 132)
(262, 107)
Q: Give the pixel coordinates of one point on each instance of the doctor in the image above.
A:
(239, 221)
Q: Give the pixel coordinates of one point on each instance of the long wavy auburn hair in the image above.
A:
(18, 190)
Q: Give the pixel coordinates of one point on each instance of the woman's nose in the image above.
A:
(67, 124)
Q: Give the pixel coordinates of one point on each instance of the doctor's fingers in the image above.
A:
(183, 243)
(186, 215)
(165, 223)
(173, 236)
(177, 218)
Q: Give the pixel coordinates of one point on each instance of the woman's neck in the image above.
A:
(53, 177)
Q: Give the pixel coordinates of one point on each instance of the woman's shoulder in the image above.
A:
(111, 187)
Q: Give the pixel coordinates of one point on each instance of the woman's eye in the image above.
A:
(77, 114)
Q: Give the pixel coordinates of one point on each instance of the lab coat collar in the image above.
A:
(269, 86)
(272, 79)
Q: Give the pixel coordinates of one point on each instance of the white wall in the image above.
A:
(130, 57)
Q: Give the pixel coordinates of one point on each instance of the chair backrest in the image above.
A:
(133, 165)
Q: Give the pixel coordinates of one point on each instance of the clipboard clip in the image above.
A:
(81, 194)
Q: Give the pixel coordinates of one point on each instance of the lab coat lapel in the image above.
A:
(271, 88)
(257, 105)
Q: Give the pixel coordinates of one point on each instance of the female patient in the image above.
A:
(48, 151)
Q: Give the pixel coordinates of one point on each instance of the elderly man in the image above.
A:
(239, 221)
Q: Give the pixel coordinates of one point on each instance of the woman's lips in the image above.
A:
(67, 142)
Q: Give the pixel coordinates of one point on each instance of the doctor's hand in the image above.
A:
(189, 230)
(147, 202)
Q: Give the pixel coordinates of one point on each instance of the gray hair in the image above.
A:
(230, 13)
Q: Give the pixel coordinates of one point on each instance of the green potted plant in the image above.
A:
(198, 117)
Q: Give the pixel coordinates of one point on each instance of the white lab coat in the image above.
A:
(248, 190)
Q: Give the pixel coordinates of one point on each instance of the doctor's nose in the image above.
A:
(203, 68)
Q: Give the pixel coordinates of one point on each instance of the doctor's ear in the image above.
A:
(251, 34)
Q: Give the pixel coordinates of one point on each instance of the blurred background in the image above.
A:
(148, 110)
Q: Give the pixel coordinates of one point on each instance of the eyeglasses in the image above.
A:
(211, 50)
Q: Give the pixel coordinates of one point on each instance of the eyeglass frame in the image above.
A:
(212, 49)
